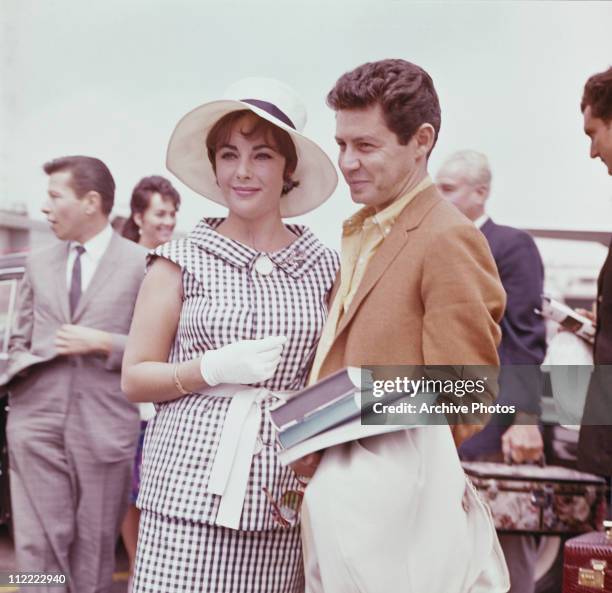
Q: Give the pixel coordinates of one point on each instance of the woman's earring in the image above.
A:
(288, 185)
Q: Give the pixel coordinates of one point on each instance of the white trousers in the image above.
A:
(393, 514)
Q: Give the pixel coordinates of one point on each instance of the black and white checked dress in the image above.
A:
(225, 300)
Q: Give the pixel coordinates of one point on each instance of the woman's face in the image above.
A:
(250, 172)
(157, 222)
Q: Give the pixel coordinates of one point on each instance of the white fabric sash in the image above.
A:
(231, 468)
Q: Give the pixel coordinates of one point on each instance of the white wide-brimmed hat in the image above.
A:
(273, 101)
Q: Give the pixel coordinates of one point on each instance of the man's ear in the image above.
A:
(483, 192)
(138, 219)
(93, 202)
(424, 138)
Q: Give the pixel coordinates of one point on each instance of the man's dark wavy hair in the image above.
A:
(404, 91)
(88, 174)
(598, 95)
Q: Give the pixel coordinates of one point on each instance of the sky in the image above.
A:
(111, 79)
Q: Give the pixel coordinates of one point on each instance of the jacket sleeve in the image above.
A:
(20, 340)
(523, 332)
(115, 357)
(141, 261)
(463, 302)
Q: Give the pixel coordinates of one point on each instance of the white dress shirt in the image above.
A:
(481, 220)
(94, 250)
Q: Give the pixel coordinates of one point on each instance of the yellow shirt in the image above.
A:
(362, 234)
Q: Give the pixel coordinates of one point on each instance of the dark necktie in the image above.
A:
(75, 282)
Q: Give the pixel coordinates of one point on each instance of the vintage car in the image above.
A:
(11, 271)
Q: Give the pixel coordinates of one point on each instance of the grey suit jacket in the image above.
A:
(85, 389)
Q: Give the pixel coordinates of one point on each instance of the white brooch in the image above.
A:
(264, 265)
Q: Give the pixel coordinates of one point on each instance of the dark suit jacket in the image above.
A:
(523, 339)
(603, 339)
(522, 274)
(595, 444)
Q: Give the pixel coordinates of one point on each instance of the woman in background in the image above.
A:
(153, 209)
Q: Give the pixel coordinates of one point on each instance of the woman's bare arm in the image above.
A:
(146, 374)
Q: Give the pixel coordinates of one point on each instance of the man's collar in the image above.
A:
(386, 217)
(479, 222)
(97, 245)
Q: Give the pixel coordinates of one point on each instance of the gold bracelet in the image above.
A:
(177, 382)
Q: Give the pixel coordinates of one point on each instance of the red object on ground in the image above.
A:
(587, 562)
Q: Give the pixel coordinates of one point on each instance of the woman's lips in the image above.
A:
(245, 192)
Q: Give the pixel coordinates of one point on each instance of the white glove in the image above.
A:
(244, 362)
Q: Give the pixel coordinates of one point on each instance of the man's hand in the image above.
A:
(306, 466)
(462, 432)
(588, 314)
(522, 443)
(76, 339)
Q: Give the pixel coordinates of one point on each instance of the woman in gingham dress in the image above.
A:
(226, 325)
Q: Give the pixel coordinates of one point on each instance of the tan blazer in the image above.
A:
(431, 295)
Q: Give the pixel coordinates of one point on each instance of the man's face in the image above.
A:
(600, 133)
(65, 212)
(468, 197)
(375, 165)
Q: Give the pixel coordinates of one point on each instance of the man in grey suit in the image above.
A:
(71, 432)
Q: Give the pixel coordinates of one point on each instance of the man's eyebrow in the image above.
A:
(358, 139)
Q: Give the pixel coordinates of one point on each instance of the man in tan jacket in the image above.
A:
(417, 286)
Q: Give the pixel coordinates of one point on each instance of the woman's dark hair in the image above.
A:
(404, 91)
(220, 134)
(141, 200)
(87, 174)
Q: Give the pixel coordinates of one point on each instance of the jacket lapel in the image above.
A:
(408, 220)
(58, 270)
(488, 228)
(334, 290)
(604, 271)
(105, 268)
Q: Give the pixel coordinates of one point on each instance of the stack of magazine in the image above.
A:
(567, 318)
(325, 414)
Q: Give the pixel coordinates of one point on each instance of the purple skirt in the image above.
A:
(137, 463)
